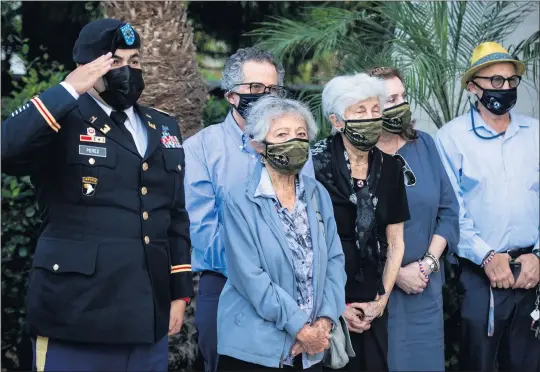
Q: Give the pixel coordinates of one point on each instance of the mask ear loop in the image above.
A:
(475, 108)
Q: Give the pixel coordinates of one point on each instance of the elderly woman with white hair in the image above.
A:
(370, 204)
(286, 275)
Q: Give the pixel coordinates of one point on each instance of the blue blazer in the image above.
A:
(258, 317)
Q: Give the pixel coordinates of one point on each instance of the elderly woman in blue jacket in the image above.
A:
(286, 274)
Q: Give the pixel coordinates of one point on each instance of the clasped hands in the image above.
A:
(359, 315)
(313, 338)
(500, 275)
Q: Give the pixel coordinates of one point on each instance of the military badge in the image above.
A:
(89, 185)
(128, 33)
(168, 141)
(90, 131)
(105, 129)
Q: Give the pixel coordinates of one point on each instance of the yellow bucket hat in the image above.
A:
(486, 54)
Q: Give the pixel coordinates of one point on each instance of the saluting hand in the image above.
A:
(84, 77)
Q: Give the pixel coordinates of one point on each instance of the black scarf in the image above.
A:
(333, 171)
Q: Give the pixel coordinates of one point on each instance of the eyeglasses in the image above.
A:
(260, 88)
(410, 178)
(497, 81)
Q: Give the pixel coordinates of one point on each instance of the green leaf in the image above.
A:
(23, 252)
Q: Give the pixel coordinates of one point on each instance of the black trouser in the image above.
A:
(513, 343)
(370, 347)
(227, 363)
(210, 287)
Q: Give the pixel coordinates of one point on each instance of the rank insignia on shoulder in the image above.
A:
(89, 185)
(161, 111)
(20, 109)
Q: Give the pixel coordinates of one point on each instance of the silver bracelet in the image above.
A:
(435, 262)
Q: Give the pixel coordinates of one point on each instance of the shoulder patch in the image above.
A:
(20, 109)
(161, 111)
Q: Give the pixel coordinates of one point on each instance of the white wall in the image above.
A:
(528, 97)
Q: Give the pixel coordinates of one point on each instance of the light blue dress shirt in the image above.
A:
(217, 157)
(495, 181)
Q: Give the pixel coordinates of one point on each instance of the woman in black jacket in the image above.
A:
(370, 206)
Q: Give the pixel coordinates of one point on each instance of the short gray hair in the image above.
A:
(232, 71)
(344, 91)
(268, 108)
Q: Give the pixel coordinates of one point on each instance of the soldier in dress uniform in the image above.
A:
(111, 273)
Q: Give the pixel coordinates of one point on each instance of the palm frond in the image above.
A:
(430, 42)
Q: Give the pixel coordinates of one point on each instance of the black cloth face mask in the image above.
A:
(245, 102)
(124, 86)
(498, 101)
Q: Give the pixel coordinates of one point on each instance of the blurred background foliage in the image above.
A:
(431, 42)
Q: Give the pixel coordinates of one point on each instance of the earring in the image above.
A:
(341, 130)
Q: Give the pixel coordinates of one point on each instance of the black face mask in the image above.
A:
(499, 102)
(245, 102)
(124, 86)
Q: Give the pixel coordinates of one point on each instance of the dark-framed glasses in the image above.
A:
(497, 81)
(260, 88)
(408, 174)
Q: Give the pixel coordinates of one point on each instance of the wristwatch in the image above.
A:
(537, 253)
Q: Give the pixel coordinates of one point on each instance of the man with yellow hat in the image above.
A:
(491, 155)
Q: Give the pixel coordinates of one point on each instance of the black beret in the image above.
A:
(103, 36)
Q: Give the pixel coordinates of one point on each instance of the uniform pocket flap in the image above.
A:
(174, 159)
(92, 155)
(65, 256)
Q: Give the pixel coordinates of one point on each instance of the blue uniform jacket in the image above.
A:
(114, 247)
(258, 317)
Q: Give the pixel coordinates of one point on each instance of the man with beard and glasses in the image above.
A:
(111, 273)
(219, 156)
(491, 155)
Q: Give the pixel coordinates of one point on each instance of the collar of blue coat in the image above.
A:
(307, 184)
(265, 188)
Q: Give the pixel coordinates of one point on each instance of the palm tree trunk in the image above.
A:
(173, 83)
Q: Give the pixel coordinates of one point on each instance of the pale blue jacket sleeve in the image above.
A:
(333, 303)
(270, 301)
(471, 246)
(205, 226)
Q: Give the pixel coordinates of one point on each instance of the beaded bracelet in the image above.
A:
(488, 259)
(422, 269)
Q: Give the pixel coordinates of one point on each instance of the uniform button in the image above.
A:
(145, 215)
(92, 161)
(146, 239)
(144, 190)
(55, 267)
(179, 167)
(145, 167)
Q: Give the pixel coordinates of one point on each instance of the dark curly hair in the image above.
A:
(387, 73)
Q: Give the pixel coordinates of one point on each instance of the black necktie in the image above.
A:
(119, 117)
